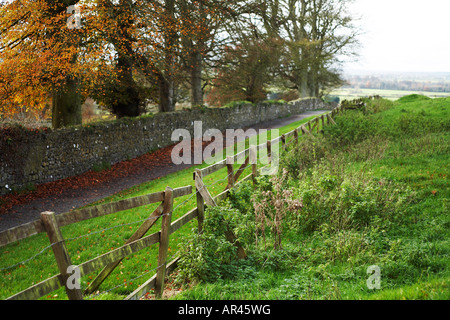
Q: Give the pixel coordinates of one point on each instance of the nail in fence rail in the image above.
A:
(51, 223)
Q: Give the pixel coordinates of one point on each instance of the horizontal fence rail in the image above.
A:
(51, 223)
(74, 216)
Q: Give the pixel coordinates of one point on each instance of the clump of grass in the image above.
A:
(413, 98)
(98, 167)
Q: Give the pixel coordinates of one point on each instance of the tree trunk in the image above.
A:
(303, 89)
(196, 79)
(66, 105)
(166, 79)
(128, 102)
(128, 98)
(66, 98)
(166, 94)
(312, 81)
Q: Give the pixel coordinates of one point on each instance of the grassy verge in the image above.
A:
(374, 192)
(88, 239)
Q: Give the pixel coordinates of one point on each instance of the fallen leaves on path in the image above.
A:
(89, 180)
(157, 160)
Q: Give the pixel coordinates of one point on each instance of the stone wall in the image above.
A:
(30, 157)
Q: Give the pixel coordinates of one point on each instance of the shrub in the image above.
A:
(346, 200)
(240, 197)
(209, 256)
(303, 156)
(341, 245)
(377, 105)
(351, 127)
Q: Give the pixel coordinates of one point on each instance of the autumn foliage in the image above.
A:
(39, 52)
(125, 54)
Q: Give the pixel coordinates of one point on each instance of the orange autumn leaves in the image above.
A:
(35, 55)
(38, 52)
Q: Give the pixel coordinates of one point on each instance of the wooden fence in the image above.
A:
(51, 223)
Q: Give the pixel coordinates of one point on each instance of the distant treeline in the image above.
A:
(373, 82)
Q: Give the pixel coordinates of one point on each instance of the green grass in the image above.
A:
(377, 193)
(386, 166)
(95, 241)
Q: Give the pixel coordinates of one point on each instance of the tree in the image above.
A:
(332, 34)
(246, 70)
(205, 23)
(194, 41)
(315, 33)
(38, 59)
(119, 90)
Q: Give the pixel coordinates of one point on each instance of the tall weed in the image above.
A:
(272, 206)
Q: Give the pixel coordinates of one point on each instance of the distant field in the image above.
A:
(352, 93)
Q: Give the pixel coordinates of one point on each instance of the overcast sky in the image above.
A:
(403, 35)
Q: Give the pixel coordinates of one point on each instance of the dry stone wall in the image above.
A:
(29, 158)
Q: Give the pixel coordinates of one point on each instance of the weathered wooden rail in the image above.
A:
(51, 223)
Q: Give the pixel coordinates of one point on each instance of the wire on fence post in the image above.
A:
(60, 251)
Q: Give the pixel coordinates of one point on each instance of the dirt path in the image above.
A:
(74, 192)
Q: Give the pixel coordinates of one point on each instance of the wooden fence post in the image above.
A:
(253, 157)
(60, 251)
(283, 141)
(296, 136)
(230, 171)
(200, 202)
(269, 152)
(330, 119)
(164, 242)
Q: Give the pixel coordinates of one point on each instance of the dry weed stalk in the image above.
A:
(271, 208)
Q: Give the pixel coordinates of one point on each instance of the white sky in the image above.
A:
(403, 35)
